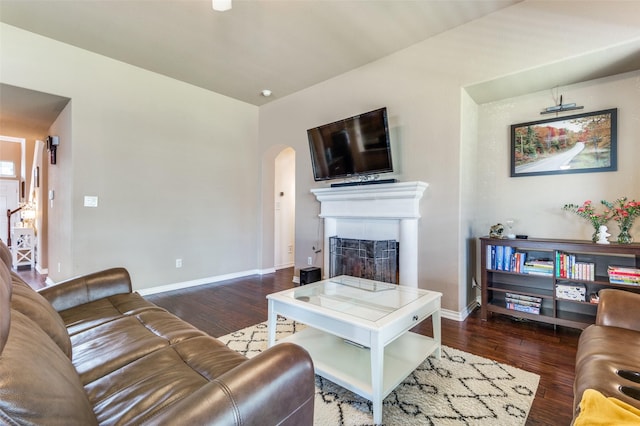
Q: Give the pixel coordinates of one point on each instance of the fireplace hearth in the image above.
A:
(373, 260)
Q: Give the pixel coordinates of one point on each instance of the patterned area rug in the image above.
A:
(458, 389)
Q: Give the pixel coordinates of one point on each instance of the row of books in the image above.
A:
(624, 275)
(506, 258)
(568, 267)
(522, 303)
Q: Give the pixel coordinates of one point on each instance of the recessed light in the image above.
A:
(266, 93)
(221, 5)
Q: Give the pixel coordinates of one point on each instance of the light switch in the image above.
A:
(90, 201)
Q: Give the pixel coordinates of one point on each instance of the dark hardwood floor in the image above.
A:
(33, 278)
(222, 308)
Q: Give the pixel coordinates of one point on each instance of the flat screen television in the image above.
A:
(355, 146)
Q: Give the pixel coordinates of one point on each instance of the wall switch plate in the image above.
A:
(90, 201)
(178, 263)
(309, 261)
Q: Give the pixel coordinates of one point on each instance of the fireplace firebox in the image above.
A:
(373, 260)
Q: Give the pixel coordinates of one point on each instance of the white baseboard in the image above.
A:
(285, 266)
(202, 281)
(459, 316)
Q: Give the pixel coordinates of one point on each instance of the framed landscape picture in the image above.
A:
(581, 143)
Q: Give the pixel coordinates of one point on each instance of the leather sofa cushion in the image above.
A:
(602, 352)
(103, 349)
(134, 366)
(96, 313)
(160, 379)
(30, 303)
(47, 389)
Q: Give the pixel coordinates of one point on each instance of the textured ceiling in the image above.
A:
(282, 45)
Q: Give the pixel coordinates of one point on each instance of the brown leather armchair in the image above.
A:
(608, 356)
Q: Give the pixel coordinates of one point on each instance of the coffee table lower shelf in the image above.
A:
(350, 366)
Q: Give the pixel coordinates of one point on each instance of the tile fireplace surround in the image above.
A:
(388, 211)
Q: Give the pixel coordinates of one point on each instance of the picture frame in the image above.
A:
(581, 143)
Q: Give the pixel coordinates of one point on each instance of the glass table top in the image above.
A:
(366, 299)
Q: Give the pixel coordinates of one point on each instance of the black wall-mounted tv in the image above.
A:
(355, 146)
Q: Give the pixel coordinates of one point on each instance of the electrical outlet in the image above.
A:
(178, 263)
(309, 261)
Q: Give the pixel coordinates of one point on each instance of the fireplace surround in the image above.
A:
(387, 211)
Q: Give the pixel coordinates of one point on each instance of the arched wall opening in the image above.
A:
(278, 211)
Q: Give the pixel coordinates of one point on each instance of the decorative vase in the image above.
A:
(624, 237)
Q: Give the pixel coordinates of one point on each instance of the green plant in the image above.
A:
(588, 211)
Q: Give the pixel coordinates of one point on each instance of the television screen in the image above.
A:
(354, 146)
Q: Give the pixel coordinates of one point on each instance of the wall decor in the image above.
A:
(580, 143)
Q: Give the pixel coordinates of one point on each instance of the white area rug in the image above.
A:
(459, 389)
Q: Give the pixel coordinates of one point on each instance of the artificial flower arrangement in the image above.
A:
(622, 211)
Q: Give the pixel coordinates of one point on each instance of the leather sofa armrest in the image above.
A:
(276, 387)
(619, 308)
(87, 288)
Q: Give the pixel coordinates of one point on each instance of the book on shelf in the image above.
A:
(623, 275)
(568, 267)
(509, 259)
(538, 267)
(521, 307)
(500, 258)
(521, 297)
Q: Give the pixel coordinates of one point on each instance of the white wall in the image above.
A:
(285, 208)
(175, 167)
(421, 87)
(469, 165)
(535, 202)
(60, 212)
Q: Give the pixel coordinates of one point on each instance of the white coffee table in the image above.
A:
(358, 335)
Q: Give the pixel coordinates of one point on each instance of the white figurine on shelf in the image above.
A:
(602, 235)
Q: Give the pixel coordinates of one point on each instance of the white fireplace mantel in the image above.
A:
(393, 208)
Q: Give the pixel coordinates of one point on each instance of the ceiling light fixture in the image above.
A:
(221, 5)
(266, 93)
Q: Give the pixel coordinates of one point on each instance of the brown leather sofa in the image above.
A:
(608, 356)
(90, 351)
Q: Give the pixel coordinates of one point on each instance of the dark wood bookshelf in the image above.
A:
(495, 283)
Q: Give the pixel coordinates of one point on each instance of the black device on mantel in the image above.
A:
(365, 182)
(355, 146)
